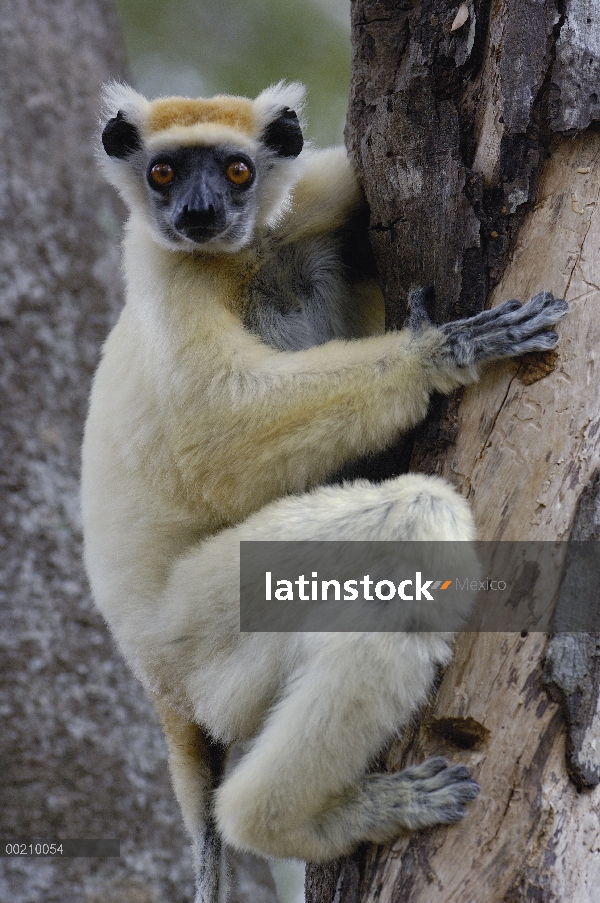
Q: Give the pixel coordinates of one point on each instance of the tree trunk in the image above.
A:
(82, 755)
(480, 167)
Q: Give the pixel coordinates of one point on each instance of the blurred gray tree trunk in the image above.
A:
(81, 752)
(478, 146)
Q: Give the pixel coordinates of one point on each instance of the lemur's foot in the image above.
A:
(420, 796)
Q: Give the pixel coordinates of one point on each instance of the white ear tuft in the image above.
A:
(117, 96)
(284, 94)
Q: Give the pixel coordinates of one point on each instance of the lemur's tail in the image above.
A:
(210, 861)
(197, 764)
(212, 878)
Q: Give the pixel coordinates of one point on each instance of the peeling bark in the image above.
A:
(575, 101)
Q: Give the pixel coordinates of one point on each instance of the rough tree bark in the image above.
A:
(479, 155)
(81, 752)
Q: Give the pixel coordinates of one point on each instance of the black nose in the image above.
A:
(200, 217)
(197, 218)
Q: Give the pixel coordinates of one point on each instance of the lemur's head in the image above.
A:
(204, 173)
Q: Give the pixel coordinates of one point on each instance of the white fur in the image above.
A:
(200, 435)
(273, 98)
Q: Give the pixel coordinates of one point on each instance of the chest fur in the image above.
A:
(299, 297)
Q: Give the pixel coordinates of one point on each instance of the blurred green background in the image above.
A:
(202, 47)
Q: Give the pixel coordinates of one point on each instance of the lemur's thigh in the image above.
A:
(193, 643)
(204, 583)
(409, 507)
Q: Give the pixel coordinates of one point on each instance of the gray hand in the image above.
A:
(505, 331)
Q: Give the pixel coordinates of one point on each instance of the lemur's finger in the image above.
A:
(426, 769)
(543, 341)
(536, 304)
(543, 308)
(486, 317)
(510, 343)
(495, 313)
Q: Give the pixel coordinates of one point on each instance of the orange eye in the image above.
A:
(162, 173)
(238, 172)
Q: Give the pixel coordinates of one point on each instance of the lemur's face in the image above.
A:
(202, 185)
(202, 194)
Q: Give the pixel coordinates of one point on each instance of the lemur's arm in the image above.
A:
(295, 418)
(324, 198)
